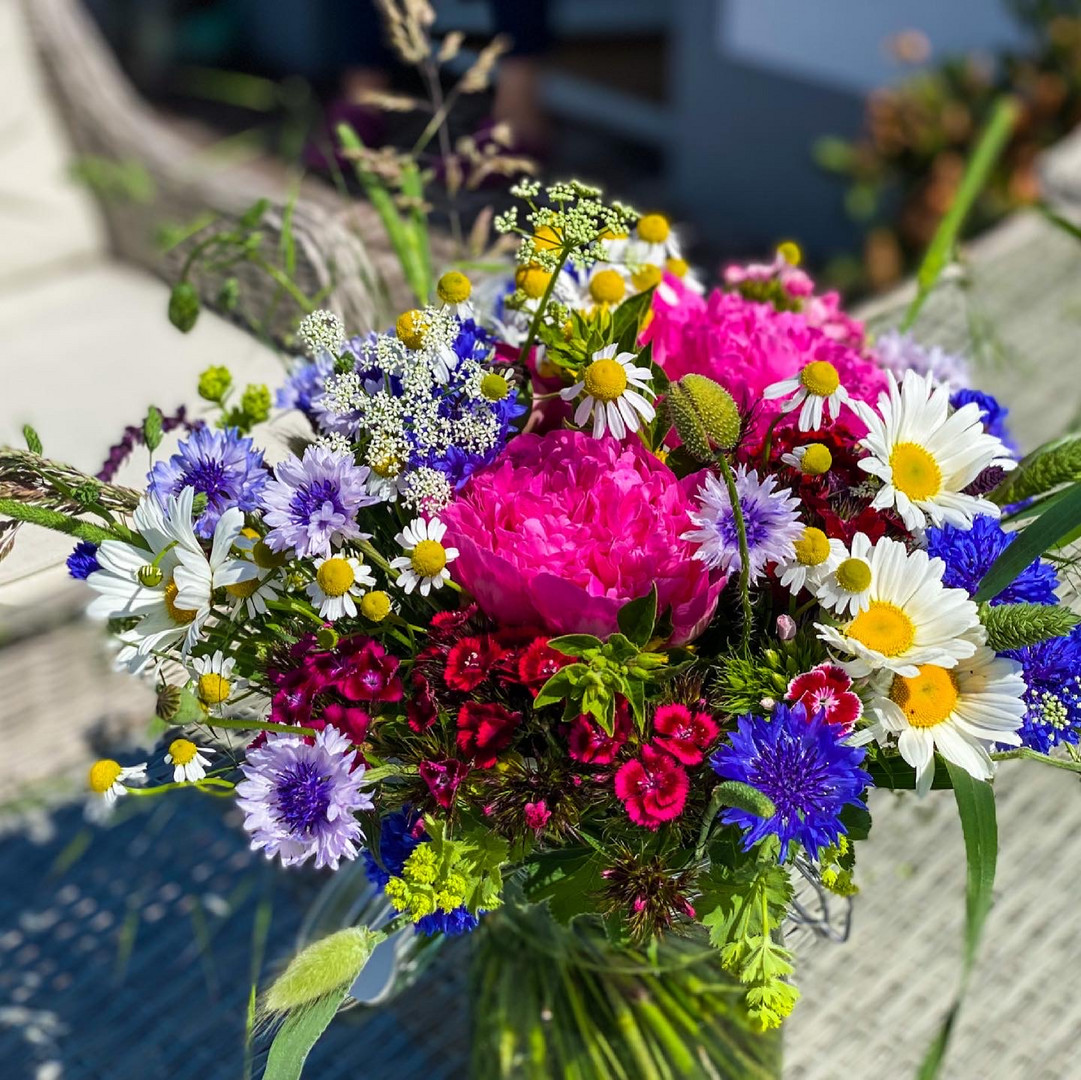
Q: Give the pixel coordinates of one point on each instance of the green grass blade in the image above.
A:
(299, 1034)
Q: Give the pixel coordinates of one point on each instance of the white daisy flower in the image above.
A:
(216, 687)
(846, 587)
(817, 388)
(960, 712)
(424, 564)
(910, 618)
(611, 383)
(815, 556)
(338, 580)
(187, 760)
(110, 779)
(926, 456)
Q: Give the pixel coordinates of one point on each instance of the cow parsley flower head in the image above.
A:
(806, 769)
(300, 799)
(770, 518)
(222, 465)
(312, 503)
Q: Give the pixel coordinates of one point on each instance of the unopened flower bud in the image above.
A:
(704, 414)
(149, 576)
(183, 307)
(786, 627)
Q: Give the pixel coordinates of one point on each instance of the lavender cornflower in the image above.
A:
(300, 799)
(223, 465)
(770, 518)
(305, 384)
(313, 503)
(899, 353)
(804, 766)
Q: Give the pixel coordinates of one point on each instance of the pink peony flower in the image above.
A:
(827, 688)
(564, 529)
(653, 787)
(746, 346)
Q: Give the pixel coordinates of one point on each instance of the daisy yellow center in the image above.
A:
(915, 471)
(103, 774)
(182, 751)
(653, 228)
(790, 252)
(646, 277)
(820, 377)
(676, 267)
(813, 547)
(181, 616)
(213, 688)
(410, 329)
(243, 589)
(605, 379)
(854, 575)
(532, 280)
(883, 628)
(607, 287)
(494, 387)
(928, 699)
(428, 558)
(546, 238)
(335, 577)
(266, 558)
(249, 533)
(816, 460)
(454, 288)
(375, 605)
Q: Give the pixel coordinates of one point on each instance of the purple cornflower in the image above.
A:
(223, 465)
(1052, 674)
(305, 384)
(83, 561)
(770, 517)
(805, 768)
(300, 799)
(313, 503)
(969, 553)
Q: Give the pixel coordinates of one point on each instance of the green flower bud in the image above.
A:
(326, 637)
(704, 414)
(255, 403)
(229, 294)
(86, 494)
(183, 307)
(214, 383)
(149, 576)
(321, 968)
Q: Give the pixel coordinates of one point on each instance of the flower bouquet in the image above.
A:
(583, 622)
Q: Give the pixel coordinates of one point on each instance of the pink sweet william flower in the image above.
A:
(443, 777)
(484, 730)
(684, 734)
(537, 814)
(590, 744)
(564, 529)
(827, 688)
(746, 345)
(653, 787)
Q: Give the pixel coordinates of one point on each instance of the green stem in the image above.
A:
(256, 725)
(207, 786)
(297, 608)
(767, 442)
(1035, 755)
(534, 326)
(283, 281)
(710, 816)
(744, 553)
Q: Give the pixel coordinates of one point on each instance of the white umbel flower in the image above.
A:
(424, 564)
(817, 388)
(339, 582)
(846, 586)
(612, 383)
(960, 712)
(926, 456)
(910, 619)
(815, 555)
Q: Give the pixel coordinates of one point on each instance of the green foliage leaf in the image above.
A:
(1032, 541)
(33, 439)
(574, 644)
(896, 774)
(627, 321)
(976, 807)
(638, 617)
(566, 880)
(298, 1034)
(152, 428)
(254, 214)
(560, 686)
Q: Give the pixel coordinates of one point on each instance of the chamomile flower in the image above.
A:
(811, 459)
(653, 241)
(961, 712)
(337, 581)
(814, 556)
(110, 779)
(187, 760)
(817, 388)
(454, 289)
(606, 286)
(252, 595)
(424, 564)
(612, 382)
(217, 688)
(910, 618)
(926, 456)
(846, 587)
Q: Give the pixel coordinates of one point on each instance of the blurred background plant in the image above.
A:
(903, 171)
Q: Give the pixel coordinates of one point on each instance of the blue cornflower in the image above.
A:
(770, 518)
(1052, 674)
(305, 383)
(83, 561)
(473, 341)
(397, 840)
(223, 465)
(969, 553)
(993, 414)
(804, 766)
